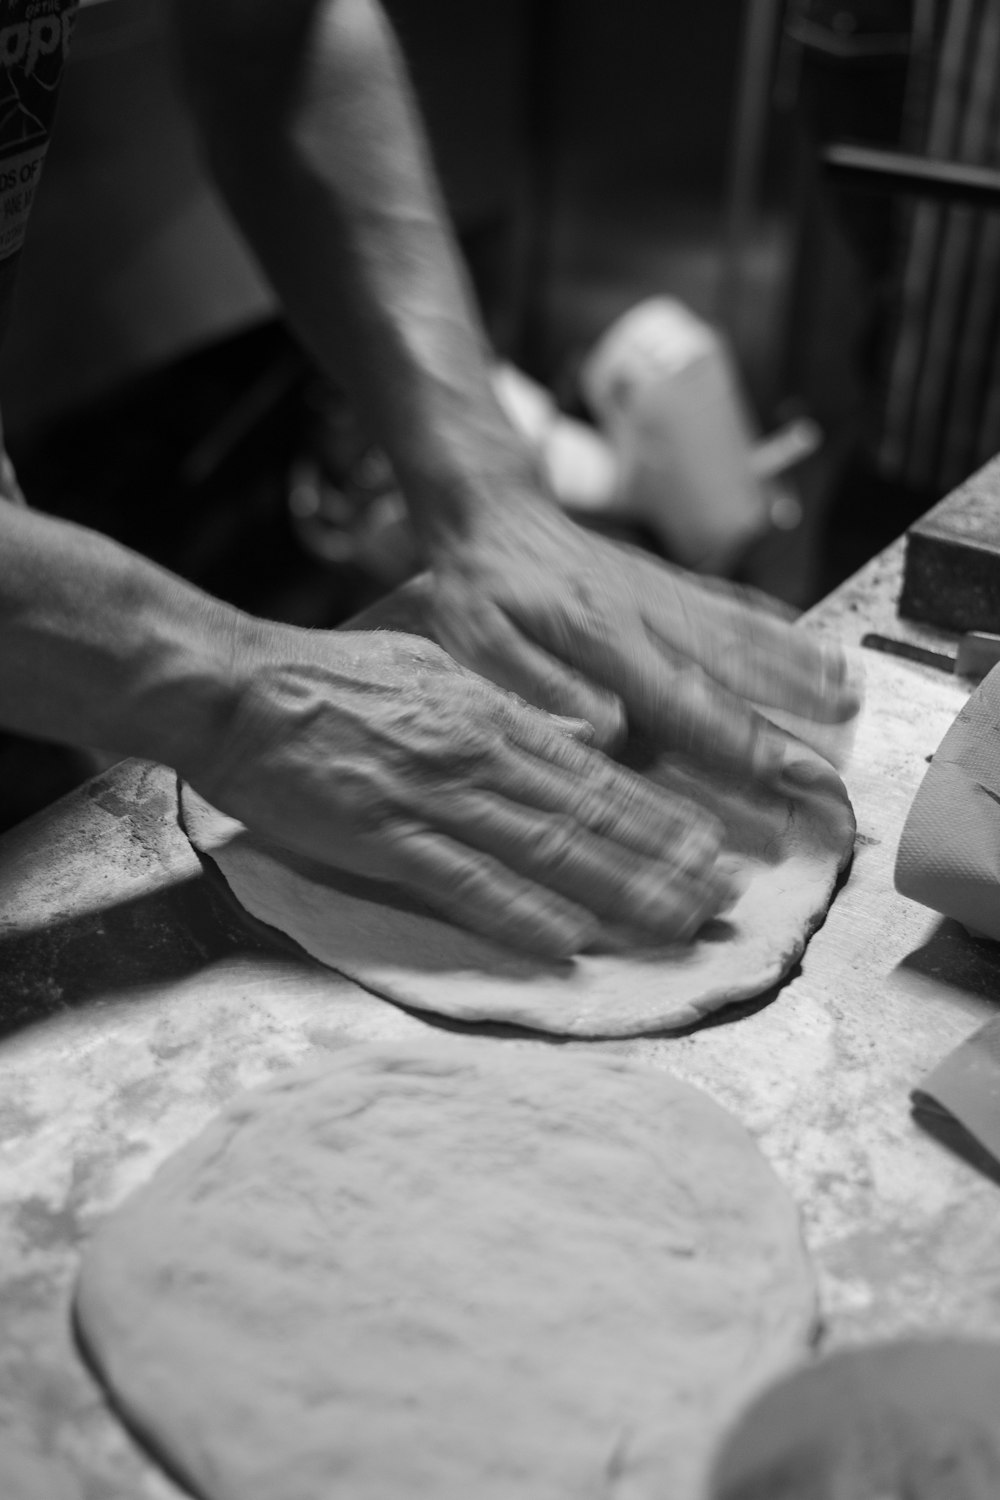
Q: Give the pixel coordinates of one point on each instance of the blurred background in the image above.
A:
(594, 156)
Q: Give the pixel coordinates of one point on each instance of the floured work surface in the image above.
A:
(787, 852)
(446, 1270)
(97, 1088)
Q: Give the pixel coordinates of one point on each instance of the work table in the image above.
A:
(135, 1000)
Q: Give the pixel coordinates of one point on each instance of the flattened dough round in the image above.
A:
(787, 851)
(456, 1269)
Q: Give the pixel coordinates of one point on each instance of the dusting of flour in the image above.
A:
(449, 1269)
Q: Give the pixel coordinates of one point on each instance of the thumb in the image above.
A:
(575, 729)
(512, 661)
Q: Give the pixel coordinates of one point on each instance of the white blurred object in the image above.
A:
(677, 454)
(664, 389)
(578, 462)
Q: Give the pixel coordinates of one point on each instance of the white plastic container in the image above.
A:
(664, 390)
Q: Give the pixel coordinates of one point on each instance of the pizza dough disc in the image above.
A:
(787, 851)
(452, 1269)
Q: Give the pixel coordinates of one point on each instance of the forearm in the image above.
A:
(100, 647)
(313, 138)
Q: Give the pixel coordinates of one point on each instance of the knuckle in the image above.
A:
(477, 742)
(620, 806)
(420, 652)
(607, 808)
(558, 844)
(695, 677)
(463, 883)
(368, 797)
(436, 733)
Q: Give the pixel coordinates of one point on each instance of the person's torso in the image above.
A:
(34, 43)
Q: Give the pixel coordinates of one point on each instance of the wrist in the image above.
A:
(99, 646)
(479, 473)
(189, 681)
(265, 699)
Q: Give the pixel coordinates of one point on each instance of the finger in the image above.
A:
(751, 650)
(667, 690)
(667, 896)
(556, 775)
(746, 640)
(746, 594)
(509, 659)
(786, 669)
(476, 891)
(677, 705)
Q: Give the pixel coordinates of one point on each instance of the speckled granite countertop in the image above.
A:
(134, 1001)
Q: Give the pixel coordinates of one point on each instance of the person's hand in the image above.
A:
(375, 753)
(585, 627)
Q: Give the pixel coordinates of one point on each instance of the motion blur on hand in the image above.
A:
(376, 753)
(586, 627)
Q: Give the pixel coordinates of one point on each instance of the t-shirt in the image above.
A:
(34, 44)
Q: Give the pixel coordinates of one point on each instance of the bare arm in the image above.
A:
(312, 135)
(100, 647)
(371, 751)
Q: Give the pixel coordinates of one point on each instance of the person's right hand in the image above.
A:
(376, 753)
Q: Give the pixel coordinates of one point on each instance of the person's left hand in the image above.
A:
(584, 627)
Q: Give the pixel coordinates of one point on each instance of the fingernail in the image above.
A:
(853, 689)
(841, 679)
(558, 938)
(832, 664)
(696, 852)
(730, 885)
(803, 773)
